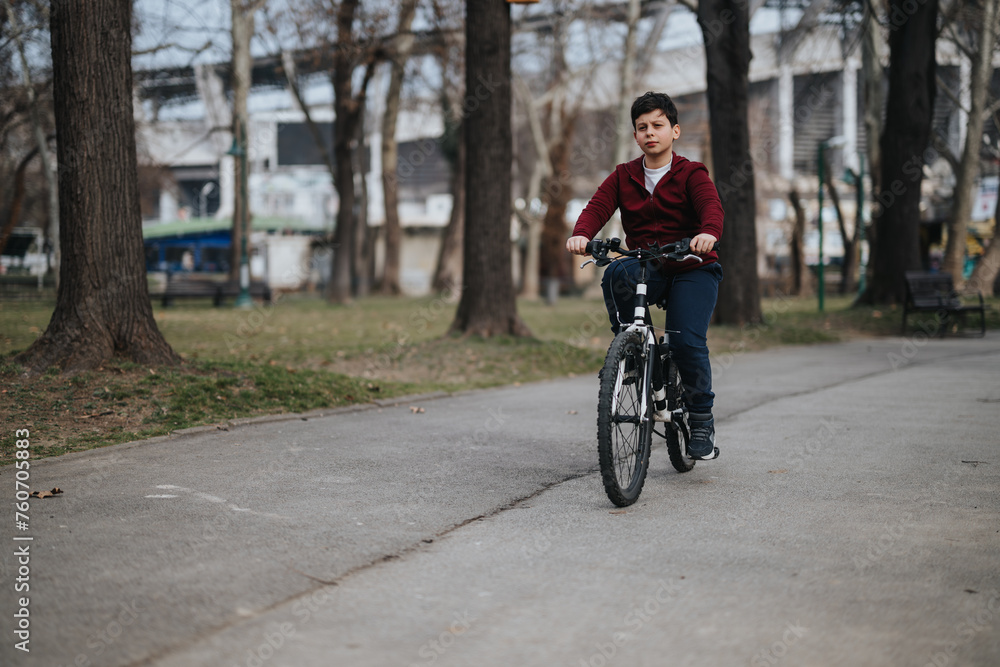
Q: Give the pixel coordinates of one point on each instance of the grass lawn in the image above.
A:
(303, 354)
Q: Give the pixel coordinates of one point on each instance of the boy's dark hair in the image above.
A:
(651, 102)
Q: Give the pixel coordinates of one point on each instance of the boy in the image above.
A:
(664, 197)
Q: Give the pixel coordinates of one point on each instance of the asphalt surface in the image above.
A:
(851, 520)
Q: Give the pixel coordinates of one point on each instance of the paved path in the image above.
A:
(852, 520)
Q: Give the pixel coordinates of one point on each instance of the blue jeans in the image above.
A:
(691, 299)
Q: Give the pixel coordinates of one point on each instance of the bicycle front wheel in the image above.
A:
(624, 430)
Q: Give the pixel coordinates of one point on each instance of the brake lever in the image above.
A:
(677, 257)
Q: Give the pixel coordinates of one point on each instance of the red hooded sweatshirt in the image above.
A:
(683, 204)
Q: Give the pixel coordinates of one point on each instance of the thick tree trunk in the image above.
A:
(448, 272)
(727, 56)
(488, 306)
(102, 306)
(968, 168)
(910, 105)
(390, 153)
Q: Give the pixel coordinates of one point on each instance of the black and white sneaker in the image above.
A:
(701, 446)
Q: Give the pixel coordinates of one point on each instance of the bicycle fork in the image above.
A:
(653, 369)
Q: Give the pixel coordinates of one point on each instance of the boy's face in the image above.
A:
(655, 135)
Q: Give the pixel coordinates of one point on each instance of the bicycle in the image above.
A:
(635, 394)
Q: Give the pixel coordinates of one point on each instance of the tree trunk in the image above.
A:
(801, 284)
(727, 56)
(448, 272)
(242, 32)
(872, 76)
(52, 187)
(364, 253)
(17, 200)
(968, 168)
(339, 288)
(910, 106)
(847, 268)
(102, 304)
(540, 171)
(390, 153)
(624, 141)
(984, 276)
(872, 73)
(488, 306)
(554, 262)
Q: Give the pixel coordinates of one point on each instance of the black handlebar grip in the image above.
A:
(593, 246)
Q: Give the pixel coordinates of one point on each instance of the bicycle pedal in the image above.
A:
(715, 455)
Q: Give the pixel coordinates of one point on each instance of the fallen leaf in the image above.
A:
(571, 412)
(618, 512)
(780, 470)
(416, 410)
(46, 494)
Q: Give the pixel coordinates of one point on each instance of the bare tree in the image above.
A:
(35, 112)
(910, 105)
(448, 268)
(850, 241)
(398, 55)
(488, 306)
(977, 41)
(242, 12)
(448, 19)
(350, 37)
(102, 307)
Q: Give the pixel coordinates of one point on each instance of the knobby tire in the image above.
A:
(623, 437)
(677, 430)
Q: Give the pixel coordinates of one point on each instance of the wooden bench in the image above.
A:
(935, 293)
(188, 288)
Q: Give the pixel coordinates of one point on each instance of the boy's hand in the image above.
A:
(577, 245)
(703, 243)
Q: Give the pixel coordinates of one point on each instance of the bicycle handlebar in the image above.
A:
(678, 251)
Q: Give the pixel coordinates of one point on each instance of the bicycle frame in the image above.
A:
(679, 251)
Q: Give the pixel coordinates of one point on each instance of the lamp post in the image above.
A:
(832, 142)
(238, 150)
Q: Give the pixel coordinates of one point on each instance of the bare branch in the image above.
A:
(173, 45)
(940, 144)
(288, 63)
(943, 87)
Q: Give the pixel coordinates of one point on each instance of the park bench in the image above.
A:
(179, 287)
(935, 293)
